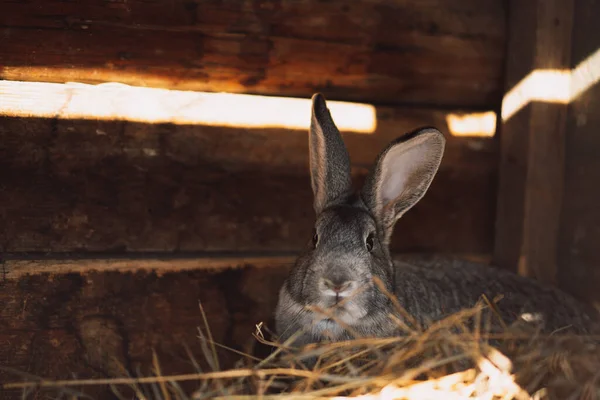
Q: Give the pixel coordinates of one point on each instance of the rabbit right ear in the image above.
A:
(402, 175)
(329, 159)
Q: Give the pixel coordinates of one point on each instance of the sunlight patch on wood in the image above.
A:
(116, 101)
(550, 86)
(560, 86)
(472, 124)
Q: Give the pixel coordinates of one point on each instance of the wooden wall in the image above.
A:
(578, 251)
(91, 186)
(443, 53)
(82, 201)
(548, 221)
(70, 325)
(83, 194)
(165, 188)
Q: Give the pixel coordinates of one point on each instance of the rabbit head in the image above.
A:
(352, 230)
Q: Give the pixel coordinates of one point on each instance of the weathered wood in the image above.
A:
(117, 186)
(49, 325)
(578, 253)
(14, 269)
(434, 52)
(532, 150)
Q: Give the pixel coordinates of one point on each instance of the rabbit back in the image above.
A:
(430, 289)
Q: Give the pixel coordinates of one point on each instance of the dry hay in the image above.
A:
(456, 358)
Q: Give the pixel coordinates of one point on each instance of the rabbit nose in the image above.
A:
(338, 287)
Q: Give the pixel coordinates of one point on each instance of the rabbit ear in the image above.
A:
(329, 160)
(402, 175)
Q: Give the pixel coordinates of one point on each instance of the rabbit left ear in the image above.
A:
(329, 159)
(401, 176)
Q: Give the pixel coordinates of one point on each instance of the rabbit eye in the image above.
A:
(315, 239)
(369, 242)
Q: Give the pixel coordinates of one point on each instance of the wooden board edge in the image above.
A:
(17, 269)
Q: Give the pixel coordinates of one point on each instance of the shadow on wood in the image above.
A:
(71, 185)
(401, 52)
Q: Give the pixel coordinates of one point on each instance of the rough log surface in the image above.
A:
(61, 326)
(532, 159)
(90, 186)
(64, 326)
(578, 253)
(15, 269)
(426, 52)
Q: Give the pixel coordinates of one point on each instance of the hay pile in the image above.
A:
(447, 360)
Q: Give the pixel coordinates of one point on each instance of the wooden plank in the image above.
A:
(92, 186)
(238, 142)
(434, 52)
(54, 326)
(579, 258)
(532, 150)
(14, 267)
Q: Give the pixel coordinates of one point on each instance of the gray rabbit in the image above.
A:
(350, 247)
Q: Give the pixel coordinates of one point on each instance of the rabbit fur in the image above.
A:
(350, 247)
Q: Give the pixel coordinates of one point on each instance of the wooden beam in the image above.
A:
(15, 267)
(532, 142)
(106, 186)
(369, 51)
(57, 326)
(579, 255)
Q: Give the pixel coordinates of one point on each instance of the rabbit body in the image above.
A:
(330, 292)
(433, 291)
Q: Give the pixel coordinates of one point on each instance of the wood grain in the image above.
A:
(15, 269)
(49, 324)
(98, 186)
(578, 255)
(532, 154)
(434, 52)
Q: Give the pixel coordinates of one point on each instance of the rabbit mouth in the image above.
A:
(333, 326)
(330, 312)
(335, 307)
(327, 327)
(334, 303)
(346, 313)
